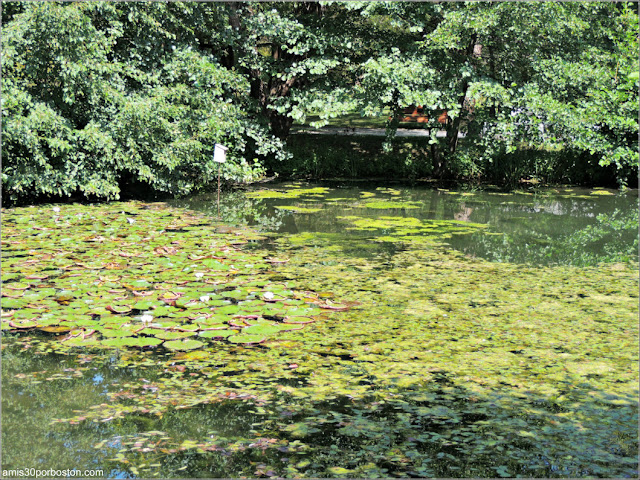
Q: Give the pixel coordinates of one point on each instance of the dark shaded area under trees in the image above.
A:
(101, 99)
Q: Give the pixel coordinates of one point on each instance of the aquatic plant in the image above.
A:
(140, 275)
(447, 365)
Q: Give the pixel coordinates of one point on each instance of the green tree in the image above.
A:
(103, 96)
(513, 75)
(99, 96)
(299, 57)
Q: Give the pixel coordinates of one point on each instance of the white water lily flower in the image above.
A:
(205, 298)
(199, 275)
(268, 295)
(56, 209)
(146, 318)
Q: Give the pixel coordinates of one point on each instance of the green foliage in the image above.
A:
(557, 78)
(512, 76)
(320, 156)
(101, 97)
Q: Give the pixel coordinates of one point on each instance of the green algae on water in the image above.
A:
(291, 192)
(296, 209)
(391, 204)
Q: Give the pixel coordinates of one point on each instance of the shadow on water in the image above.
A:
(438, 428)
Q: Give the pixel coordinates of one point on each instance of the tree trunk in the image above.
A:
(228, 59)
(453, 127)
(474, 51)
(394, 106)
(267, 89)
(436, 161)
(492, 65)
(280, 124)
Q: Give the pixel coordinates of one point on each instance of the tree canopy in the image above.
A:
(103, 96)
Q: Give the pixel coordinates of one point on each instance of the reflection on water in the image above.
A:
(547, 226)
(447, 368)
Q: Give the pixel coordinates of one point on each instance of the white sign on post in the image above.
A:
(220, 156)
(220, 153)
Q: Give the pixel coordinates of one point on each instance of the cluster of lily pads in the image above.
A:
(294, 191)
(141, 275)
(395, 228)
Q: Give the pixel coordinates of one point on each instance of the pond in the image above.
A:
(570, 226)
(324, 330)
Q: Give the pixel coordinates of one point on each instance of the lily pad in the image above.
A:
(117, 332)
(247, 339)
(218, 333)
(118, 308)
(82, 342)
(24, 323)
(55, 329)
(189, 344)
(144, 342)
(8, 303)
(301, 429)
(173, 335)
(132, 342)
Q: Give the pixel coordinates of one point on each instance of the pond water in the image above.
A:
(570, 226)
(361, 332)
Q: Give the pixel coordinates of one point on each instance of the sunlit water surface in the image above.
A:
(570, 226)
(547, 227)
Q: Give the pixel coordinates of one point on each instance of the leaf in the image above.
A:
(56, 329)
(246, 339)
(118, 308)
(217, 334)
(212, 264)
(173, 335)
(300, 429)
(339, 471)
(189, 344)
(503, 471)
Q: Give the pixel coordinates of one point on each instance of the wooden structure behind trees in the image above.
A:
(418, 114)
